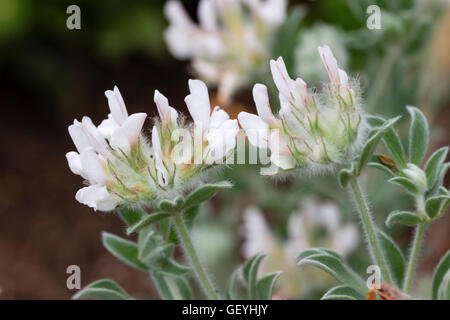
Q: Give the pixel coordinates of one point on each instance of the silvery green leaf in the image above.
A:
(176, 205)
(105, 289)
(439, 274)
(433, 166)
(381, 167)
(342, 292)
(124, 250)
(376, 134)
(264, 286)
(406, 184)
(131, 215)
(435, 206)
(419, 136)
(312, 251)
(231, 287)
(444, 288)
(172, 267)
(436, 189)
(171, 287)
(406, 218)
(204, 193)
(394, 257)
(336, 268)
(147, 220)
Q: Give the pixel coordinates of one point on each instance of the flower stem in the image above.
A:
(413, 257)
(369, 229)
(188, 246)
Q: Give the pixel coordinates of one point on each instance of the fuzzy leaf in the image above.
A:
(444, 288)
(172, 267)
(312, 251)
(170, 287)
(336, 268)
(344, 176)
(124, 250)
(172, 206)
(434, 206)
(342, 292)
(405, 183)
(394, 257)
(375, 136)
(381, 167)
(146, 221)
(104, 289)
(205, 193)
(264, 286)
(250, 272)
(232, 285)
(406, 218)
(439, 274)
(435, 190)
(131, 215)
(433, 166)
(419, 136)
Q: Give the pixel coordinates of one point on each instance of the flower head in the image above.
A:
(231, 41)
(120, 164)
(312, 130)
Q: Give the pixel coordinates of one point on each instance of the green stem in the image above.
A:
(413, 257)
(188, 246)
(369, 228)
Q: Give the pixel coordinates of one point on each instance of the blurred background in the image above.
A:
(50, 75)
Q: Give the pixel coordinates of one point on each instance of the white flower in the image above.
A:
(309, 131)
(97, 197)
(230, 42)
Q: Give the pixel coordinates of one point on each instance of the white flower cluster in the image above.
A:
(312, 130)
(231, 41)
(122, 167)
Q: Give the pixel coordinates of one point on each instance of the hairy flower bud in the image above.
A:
(312, 130)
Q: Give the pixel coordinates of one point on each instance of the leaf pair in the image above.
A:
(256, 288)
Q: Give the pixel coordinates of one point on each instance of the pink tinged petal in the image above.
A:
(330, 63)
(176, 14)
(255, 128)
(163, 175)
(229, 82)
(79, 137)
(74, 161)
(107, 127)
(117, 105)
(301, 89)
(218, 117)
(97, 197)
(343, 78)
(173, 116)
(207, 15)
(164, 109)
(281, 77)
(261, 97)
(96, 140)
(127, 135)
(280, 154)
(198, 103)
(92, 167)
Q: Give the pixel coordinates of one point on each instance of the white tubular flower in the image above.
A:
(312, 130)
(97, 197)
(230, 42)
(219, 131)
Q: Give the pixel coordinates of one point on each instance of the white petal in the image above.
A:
(274, 11)
(179, 42)
(280, 154)
(78, 136)
(343, 78)
(330, 63)
(261, 97)
(255, 128)
(163, 175)
(164, 110)
(281, 76)
(117, 105)
(92, 167)
(207, 15)
(222, 140)
(127, 135)
(107, 127)
(198, 103)
(228, 84)
(97, 197)
(218, 117)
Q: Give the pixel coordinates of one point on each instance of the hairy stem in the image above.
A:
(369, 229)
(413, 257)
(189, 248)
